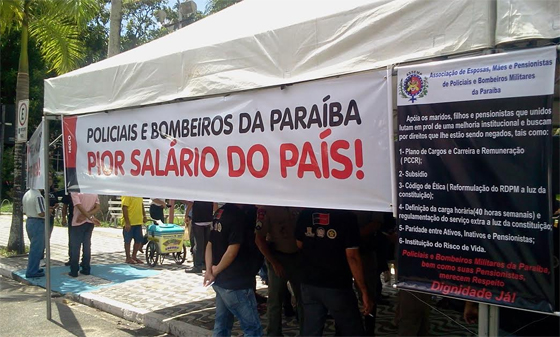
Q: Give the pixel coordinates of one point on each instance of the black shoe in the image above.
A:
(73, 275)
(41, 270)
(84, 272)
(35, 275)
(67, 263)
(195, 270)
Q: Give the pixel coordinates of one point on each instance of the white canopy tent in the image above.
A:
(265, 43)
(256, 44)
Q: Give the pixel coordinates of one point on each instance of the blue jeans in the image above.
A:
(35, 228)
(80, 237)
(241, 304)
(342, 304)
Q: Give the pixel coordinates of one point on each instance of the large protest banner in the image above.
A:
(317, 144)
(474, 186)
(35, 155)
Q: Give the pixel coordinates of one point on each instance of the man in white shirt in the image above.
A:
(34, 207)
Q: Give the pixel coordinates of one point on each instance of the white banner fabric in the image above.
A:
(483, 77)
(35, 155)
(316, 144)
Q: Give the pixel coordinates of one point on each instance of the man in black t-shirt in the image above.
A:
(329, 240)
(226, 269)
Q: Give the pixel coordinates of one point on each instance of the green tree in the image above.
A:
(140, 23)
(215, 6)
(55, 25)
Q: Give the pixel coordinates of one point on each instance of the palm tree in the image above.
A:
(55, 26)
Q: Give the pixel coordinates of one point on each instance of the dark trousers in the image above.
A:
(69, 236)
(371, 278)
(277, 290)
(342, 304)
(201, 235)
(413, 314)
(80, 236)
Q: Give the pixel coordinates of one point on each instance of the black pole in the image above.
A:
(3, 122)
(24, 188)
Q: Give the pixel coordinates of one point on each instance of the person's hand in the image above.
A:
(144, 219)
(470, 312)
(81, 217)
(368, 304)
(64, 221)
(208, 277)
(95, 221)
(279, 270)
(127, 227)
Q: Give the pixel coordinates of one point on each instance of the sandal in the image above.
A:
(130, 261)
(138, 261)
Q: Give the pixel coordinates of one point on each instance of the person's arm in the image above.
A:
(355, 263)
(227, 259)
(90, 215)
(214, 207)
(299, 244)
(126, 218)
(260, 240)
(144, 218)
(186, 219)
(208, 276)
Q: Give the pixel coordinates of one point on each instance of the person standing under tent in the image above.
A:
(134, 216)
(83, 221)
(34, 207)
(202, 215)
(329, 240)
(157, 207)
(67, 216)
(369, 224)
(227, 272)
(275, 230)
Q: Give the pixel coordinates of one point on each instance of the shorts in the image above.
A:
(135, 233)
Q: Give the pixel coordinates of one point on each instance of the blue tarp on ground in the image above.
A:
(101, 276)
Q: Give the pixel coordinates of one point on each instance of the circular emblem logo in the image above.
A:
(413, 86)
(331, 234)
(258, 226)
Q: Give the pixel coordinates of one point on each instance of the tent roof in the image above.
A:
(256, 44)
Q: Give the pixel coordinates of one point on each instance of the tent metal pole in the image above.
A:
(494, 320)
(483, 320)
(390, 119)
(45, 173)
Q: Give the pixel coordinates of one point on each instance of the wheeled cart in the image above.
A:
(165, 239)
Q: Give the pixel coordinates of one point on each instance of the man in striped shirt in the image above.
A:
(34, 207)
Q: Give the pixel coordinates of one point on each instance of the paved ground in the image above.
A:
(24, 314)
(172, 301)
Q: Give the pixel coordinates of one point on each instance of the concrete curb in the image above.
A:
(130, 313)
(123, 310)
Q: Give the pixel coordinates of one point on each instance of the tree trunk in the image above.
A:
(15, 241)
(115, 28)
